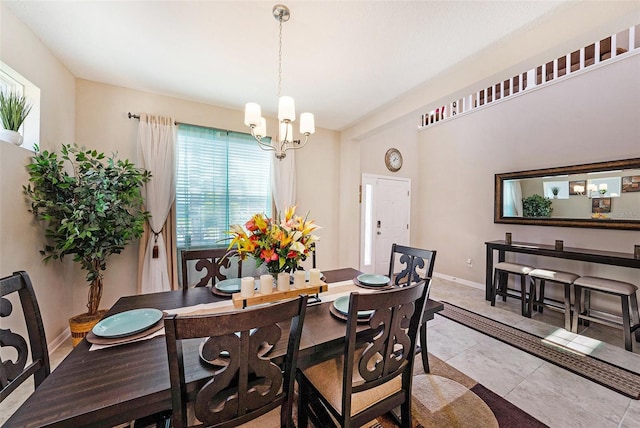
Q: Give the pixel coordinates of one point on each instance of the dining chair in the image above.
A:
(411, 259)
(14, 373)
(374, 374)
(212, 260)
(252, 370)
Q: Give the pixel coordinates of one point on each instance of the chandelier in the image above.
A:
(286, 109)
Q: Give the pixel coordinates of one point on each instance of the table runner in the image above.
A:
(335, 290)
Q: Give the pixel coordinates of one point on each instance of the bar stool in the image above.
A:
(558, 277)
(501, 271)
(627, 293)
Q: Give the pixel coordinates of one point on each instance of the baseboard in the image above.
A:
(459, 280)
(59, 340)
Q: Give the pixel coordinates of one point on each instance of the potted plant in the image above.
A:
(536, 206)
(555, 190)
(14, 109)
(89, 215)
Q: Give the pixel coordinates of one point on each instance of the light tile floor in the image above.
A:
(555, 396)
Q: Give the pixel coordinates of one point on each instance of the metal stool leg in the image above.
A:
(635, 316)
(567, 307)
(577, 309)
(626, 323)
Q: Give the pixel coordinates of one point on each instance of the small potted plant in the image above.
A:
(89, 215)
(14, 109)
(555, 191)
(536, 206)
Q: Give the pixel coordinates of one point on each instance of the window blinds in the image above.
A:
(222, 178)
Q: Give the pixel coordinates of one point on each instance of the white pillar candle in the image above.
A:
(266, 284)
(246, 286)
(283, 281)
(298, 279)
(314, 277)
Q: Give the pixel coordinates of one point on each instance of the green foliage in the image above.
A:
(536, 206)
(13, 110)
(91, 214)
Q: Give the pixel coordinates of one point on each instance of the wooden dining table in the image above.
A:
(118, 384)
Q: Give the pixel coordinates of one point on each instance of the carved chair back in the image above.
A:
(388, 352)
(213, 261)
(245, 382)
(14, 373)
(411, 259)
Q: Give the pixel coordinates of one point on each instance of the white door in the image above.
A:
(385, 220)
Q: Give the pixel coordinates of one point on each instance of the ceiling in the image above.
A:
(341, 59)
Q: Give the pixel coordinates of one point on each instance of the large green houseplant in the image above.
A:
(89, 214)
(14, 109)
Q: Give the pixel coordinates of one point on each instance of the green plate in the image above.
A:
(342, 305)
(373, 279)
(232, 285)
(127, 323)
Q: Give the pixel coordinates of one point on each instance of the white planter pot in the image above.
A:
(12, 137)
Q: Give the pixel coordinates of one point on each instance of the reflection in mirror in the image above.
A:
(602, 195)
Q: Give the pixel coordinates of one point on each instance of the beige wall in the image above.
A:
(587, 118)
(21, 238)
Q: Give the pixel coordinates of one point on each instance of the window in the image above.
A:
(222, 178)
(11, 80)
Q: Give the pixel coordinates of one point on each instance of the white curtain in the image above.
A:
(512, 199)
(157, 138)
(283, 181)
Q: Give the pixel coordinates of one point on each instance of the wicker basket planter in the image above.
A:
(82, 324)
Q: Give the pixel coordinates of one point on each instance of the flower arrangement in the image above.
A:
(280, 245)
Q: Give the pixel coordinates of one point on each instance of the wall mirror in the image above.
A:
(600, 195)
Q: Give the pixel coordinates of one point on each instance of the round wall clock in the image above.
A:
(393, 159)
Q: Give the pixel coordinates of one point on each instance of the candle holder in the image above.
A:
(507, 237)
(559, 244)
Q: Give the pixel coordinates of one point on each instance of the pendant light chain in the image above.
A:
(280, 58)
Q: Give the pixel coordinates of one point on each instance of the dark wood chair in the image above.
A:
(374, 375)
(410, 260)
(211, 260)
(246, 384)
(14, 373)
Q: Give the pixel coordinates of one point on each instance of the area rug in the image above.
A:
(611, 376)
(447, 398)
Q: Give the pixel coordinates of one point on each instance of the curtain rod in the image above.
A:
(136, 116)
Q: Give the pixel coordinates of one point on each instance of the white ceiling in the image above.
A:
(341, 59)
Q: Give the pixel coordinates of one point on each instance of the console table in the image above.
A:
(581, 254)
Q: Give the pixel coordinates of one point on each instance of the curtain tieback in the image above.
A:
(154, 253)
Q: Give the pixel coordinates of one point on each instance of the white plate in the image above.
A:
(127, 323)
(342, 305)
(373, 279)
